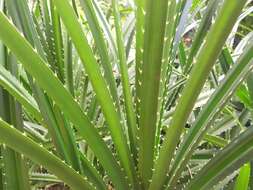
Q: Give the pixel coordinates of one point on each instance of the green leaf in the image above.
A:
(58, 43)
(155, 22)
(35, 152)
(20, 14)
(102, 19)
(216, 140)
(242, 180)
(130, 114)
(97, 33)
(203, 29)
(99, 85)
(92, 173)
(202, 66)
(226, 161)
(206, 117)
(13, 86)
(36, 66)
(139, 38)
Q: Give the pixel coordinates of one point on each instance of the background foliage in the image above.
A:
(126, 94)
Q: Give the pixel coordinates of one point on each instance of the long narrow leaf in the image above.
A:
(46, 79)
(26, 146)
(229, 159)
(212, 108)
(204, 62)
(155, 22)
(99, 85)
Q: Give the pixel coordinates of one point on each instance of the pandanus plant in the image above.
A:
(142, 95)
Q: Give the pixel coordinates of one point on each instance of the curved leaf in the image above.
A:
(203, 65)
(226, 161)
(242, 180)
(99, 85)
(35, 152)
(12, 85)
(101, 45)
(205, 118)
(36, 66)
